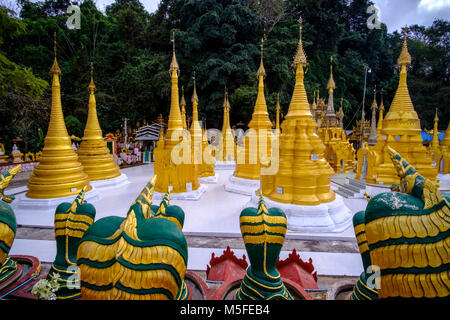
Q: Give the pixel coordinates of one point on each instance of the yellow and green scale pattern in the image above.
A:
(263, 232)
(139, 257)
(407, 237)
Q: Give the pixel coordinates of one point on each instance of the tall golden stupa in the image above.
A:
(59, 173)
(445, 150)
(303, 177)
(227, 147)
(93, 153)
(339, 153)
(401, 131)
(173, 164)
(203, 162)
(257, 141)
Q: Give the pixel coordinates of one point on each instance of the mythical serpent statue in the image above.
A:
(406, 235)
(143, 256)
(8, 226)
(263, 231)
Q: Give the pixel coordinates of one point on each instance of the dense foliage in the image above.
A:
(219, 40)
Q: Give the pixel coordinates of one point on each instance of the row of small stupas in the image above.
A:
(61, 171)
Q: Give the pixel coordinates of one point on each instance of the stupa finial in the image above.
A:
(405, 57)
(194, 94)
(300, 56)
(174, 63)
(261, 70)
(55, 68)
(92, 84)
(331, 85)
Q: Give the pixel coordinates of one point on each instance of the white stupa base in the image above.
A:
(333, 216)
(444, 177)
(210, 179)
(224, 165)
(24, 204)
(110, 183)
(190, 195)
(242, 186)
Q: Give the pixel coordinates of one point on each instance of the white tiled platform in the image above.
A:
(325, 263)
(215, 214)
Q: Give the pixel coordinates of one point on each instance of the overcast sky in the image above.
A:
(394, 13)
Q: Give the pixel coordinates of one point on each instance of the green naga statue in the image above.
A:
(263, 232)
(141, 257)
(8, 226)
(404, 236)
(71, 222)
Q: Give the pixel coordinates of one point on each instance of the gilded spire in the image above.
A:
(194, 94)
(175, 122)
(261, 70)
(300, 56)
(299, 105)
(277, 123)
(405, 57)
(374, 102)
(331, 85)
(55, 68)
(92, 84)
(183, 108)
(435, 140)
(174, 63)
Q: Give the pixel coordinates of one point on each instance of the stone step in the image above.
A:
(348, 192)
(357, 183)
(342, 193)
(352, 188)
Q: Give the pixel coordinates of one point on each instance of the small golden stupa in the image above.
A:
(59, 173)
(434, 147)
(303, 177)
(257, 141)
(183, 109)
(174, 168)
(445, 150)
(93, 153)
(339, 153)
(228, 150)
(400, 130)
(199, 141)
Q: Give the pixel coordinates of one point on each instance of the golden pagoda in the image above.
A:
(303, 177)
(257, 140)
(228, 147)
(434, 147)
(401, 131)
(445, 150)
(59, 173)
(173, 164)
(199, 141)
(183, 109)
(339, 153)
(93, 153)
(380, 118)
(277, 119)
(373, 138)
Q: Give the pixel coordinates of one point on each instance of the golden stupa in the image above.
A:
(277, 119)
(445, 150)
(203, 162)
(93, 153)
(401, 131)
(434, 147)
(380, 118)
(303, 177)
(59, 173)
(173, 164)
(227, 148)
(183, 109)
(339, 153)
(257, 141)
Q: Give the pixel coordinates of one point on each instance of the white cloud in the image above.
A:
(433, 4)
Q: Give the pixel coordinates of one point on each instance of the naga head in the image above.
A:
(406, 172)
(4, 182)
